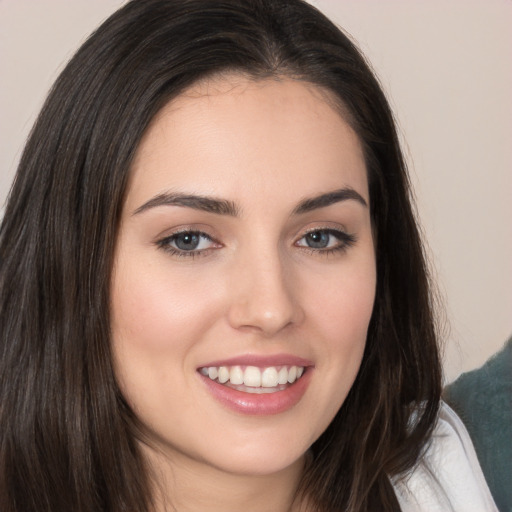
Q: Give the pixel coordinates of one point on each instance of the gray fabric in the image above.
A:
(483, 400)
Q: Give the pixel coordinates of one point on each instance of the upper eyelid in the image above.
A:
(324, 227)
(194, 231)
(170, 232)
(191, 231)
(343, 232)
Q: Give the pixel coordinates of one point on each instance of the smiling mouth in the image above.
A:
(252, 379)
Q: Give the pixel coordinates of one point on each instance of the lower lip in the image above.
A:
(260, 404)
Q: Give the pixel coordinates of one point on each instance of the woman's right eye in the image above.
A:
(187, 243)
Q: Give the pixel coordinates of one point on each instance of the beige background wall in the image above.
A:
(446, 65)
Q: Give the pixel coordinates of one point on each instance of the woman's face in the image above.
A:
(244, 275)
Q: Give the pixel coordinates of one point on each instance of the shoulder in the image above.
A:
(448, 476)
(482, 399)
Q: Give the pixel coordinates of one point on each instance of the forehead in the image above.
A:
(232, 134)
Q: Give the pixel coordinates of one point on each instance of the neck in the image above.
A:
(185, 485)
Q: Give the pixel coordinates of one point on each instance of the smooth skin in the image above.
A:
(261, 277)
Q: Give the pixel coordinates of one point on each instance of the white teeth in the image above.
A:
(236, 375)
(292, 374)
(282, 377)
(269, 378)
(223, 374)
(254, 377)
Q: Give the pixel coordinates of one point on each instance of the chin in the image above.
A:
(261, 464)
(262, 455)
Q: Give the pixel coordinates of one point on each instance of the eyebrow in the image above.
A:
(204, 203)
(226, 207)
(324, 200)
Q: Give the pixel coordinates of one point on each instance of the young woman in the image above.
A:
(213, 294)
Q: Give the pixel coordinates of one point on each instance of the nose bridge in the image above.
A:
(263, 295)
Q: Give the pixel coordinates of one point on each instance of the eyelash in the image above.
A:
(345, 240)
(165, 244)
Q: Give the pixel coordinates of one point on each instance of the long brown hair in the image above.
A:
(67, 438)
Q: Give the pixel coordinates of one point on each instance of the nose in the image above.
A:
(264, 295)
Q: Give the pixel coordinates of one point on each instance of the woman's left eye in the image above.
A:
(326, 240)
(186, 243)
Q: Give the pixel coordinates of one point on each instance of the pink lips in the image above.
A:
(266, 403)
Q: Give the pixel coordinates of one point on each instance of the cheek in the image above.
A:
(158, 325)
(159, 319)
(156, 310)
(343, 304)
(341, 312)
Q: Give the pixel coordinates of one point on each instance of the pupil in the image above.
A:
(187, 241)
(317, 239)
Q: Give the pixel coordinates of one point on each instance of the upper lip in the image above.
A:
(261, 361)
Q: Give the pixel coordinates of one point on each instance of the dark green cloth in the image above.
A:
(483, 400)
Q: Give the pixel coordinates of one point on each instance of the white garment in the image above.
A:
(448, 478)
